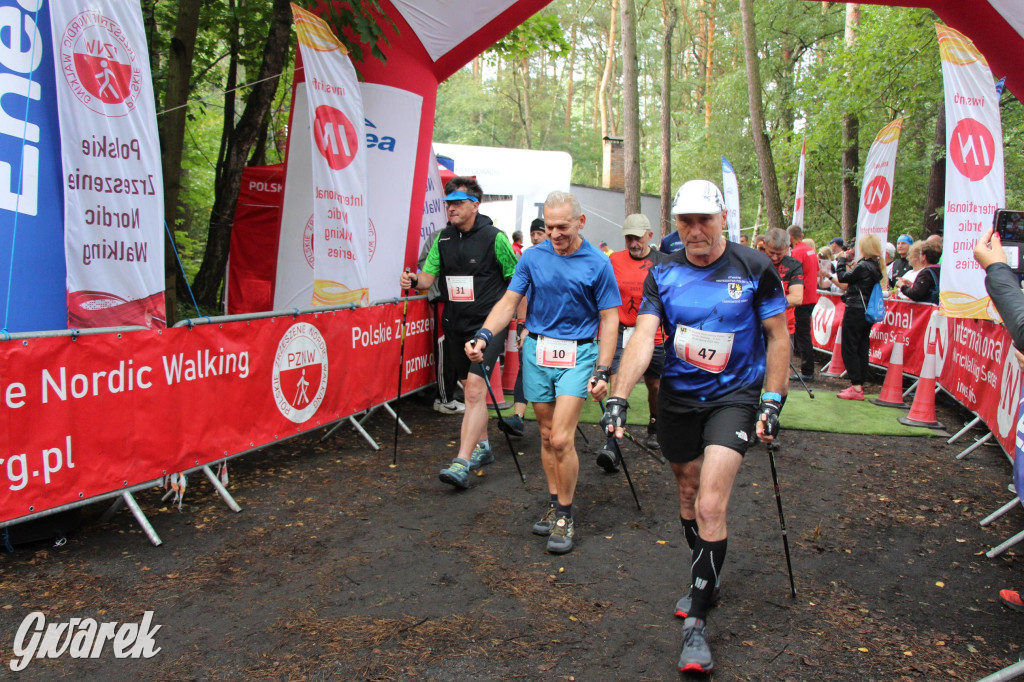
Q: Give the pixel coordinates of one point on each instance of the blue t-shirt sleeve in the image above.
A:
(769, 297)
(520, 281)
(606, 288)
(651, 303)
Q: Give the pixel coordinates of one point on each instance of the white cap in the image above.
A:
(698, 196)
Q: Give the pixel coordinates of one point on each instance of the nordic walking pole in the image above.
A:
(401, 373)
(657, 457)
(782, 519)
(515, 457)
(580, 430)
(622, 460)
(804, 383)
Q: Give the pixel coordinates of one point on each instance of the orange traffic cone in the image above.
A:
(511, 363)
(496, 387)
(892, 389)
(836, 366)
(922, 411)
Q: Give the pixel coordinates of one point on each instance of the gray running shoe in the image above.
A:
(560, 540)
(652, 441)
(457, 473)
(685, 603)
(480, 457)
(696, 654)
(543, 527)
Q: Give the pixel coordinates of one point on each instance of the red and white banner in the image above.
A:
(340, 206)
(113, 188)
(392, 128)
(974, 172)
(876, 187)
(798, 202)
(87, 416)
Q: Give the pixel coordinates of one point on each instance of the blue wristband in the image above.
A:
(485, 335)
(771, 396)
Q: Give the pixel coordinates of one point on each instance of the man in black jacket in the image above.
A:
(473, 262)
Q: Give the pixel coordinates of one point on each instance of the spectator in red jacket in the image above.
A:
(802, 313)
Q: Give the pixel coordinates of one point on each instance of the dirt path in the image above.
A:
(343, 568)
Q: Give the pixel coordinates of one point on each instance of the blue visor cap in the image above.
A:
(906, 239)
(459, 195)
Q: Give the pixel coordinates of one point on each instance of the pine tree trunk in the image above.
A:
(602, 104)
(762, 146)
(936, 193)
(209, 279)
(630, 110)
(172, 136)
(851, 147)
(671, 15)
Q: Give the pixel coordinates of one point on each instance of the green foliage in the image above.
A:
(541, 32)
(356, 24)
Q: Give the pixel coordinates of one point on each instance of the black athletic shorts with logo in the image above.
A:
(685, 431)
(494, 350)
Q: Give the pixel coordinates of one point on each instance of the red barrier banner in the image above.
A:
(905, 322)
(91, 415)
(977, 366)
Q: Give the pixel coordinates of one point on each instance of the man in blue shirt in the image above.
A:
(718, 304)
(570, 291)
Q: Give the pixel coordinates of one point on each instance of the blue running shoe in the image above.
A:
(480, 457)
(457, 473)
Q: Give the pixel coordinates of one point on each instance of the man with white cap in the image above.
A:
(473, 260)
(723, 309)
(631, 266)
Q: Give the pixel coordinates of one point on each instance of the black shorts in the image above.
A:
(460, 361)
(684, 431)
(654, 369)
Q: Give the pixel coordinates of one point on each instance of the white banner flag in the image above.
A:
(798, 203)
(434, 215)
(974, 173)
(293, 285)
(113, 187)
(876, 188)
(340, 212)
(732, 200)
(392, 134)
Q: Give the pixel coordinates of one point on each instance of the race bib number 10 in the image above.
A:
(709, 351)
(556, 353)
(460, 288)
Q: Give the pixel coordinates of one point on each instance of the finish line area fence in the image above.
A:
(974, 364)
(99, 414)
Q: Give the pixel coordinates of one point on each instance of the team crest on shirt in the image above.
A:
(735, 290)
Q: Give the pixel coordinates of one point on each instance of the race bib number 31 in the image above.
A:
(460, 288)
(709, 351)
(556, 353)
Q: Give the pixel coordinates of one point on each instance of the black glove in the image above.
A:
(768, 412)
(600, 374)
(614, 415)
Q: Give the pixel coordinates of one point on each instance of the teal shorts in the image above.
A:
(544, 384)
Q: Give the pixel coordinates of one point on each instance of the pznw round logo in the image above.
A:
(300, 372)
(100, 65)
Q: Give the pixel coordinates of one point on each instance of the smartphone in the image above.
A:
(1009, 225)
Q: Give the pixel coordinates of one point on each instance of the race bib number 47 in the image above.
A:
(709, 351)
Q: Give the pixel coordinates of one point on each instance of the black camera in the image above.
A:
(1009, 225)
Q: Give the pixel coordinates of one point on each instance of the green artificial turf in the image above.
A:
(825, 412)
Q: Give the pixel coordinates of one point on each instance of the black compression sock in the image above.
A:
(563, 510)
(689, 530)
(708, 558)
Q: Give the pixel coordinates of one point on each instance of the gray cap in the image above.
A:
(636, 225)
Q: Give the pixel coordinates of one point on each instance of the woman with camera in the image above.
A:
(1003, 286)
(858, 282)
